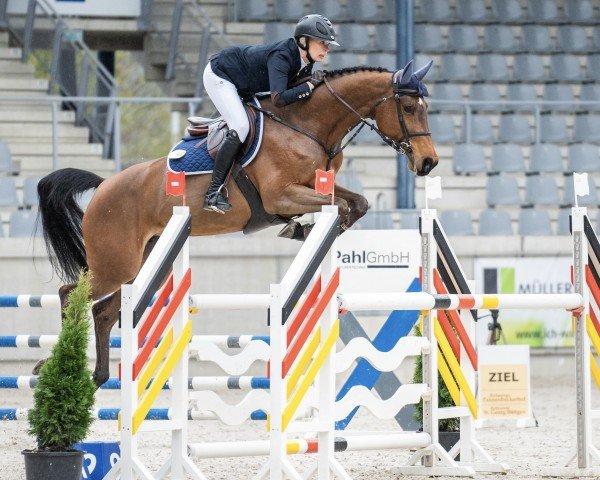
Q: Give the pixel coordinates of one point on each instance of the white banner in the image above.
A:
(84, 8)
(378, 260)
(537, 328)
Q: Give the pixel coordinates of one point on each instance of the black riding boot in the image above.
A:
(215, 200)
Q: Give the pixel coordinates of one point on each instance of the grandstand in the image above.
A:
(515, 105)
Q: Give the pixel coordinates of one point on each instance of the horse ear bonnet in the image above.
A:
(410, 82)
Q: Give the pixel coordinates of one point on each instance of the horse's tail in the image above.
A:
(61, 218)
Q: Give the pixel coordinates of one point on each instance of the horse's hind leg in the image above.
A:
(63, 295)
(106, 314)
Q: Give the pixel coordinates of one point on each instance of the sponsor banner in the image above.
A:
(378, 260)
(537, 328)
(84, 8)
(504, 386)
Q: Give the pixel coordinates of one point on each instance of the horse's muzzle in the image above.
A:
(428, 166)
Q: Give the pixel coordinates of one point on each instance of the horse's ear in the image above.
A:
(421, 72)
(407, 73)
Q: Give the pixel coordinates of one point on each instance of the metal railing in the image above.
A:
(212, 39)
(113, 105)
(94, 78)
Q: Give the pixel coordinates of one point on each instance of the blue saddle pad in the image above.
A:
(191, 156)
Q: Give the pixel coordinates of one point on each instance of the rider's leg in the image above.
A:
(227, 101)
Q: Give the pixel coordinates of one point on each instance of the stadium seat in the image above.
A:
(409, 219)
(6, 163)
(572, 39)
(590, 92)
(442, 129)
(492, 68)
(468, 158)
(495, 222)
(541, 190)
(471, 11)
(337, 60)
(563, 224)
(529, 68)
(560, 92)
(354, 36)
(543, 11)
(331, 9)
(253, 10)
(565, 68)
(590, 200)
(435, 11)
(388, 13)
(463, 38)
(536, 39)
(486, 92)
(546, 158)
(502, 190)
(514, 129)
(586, 128)
(524, 94)
(349, 180)
(385, 38)
(507, 11)
(593, 68)
(429, 38)
(596, 38)
(288, 10)
(455, 67)
(583, 157)
(22, 224)
(361, 11)
(8, 192)
(456, 222)
(481, 130)
(30, 195)
(553, 129)
(534, 221)
(581, 11)
(507, 158)
(384, 60)
(377, 220)
(500, 39)
(446, 91)
(277, 31)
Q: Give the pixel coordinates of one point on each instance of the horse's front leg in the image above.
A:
(105, 316)
(298, 200)
(357, 204)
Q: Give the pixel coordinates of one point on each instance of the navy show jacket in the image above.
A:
(263, 68)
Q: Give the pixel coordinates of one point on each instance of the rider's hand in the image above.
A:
(317, 78)
(310, 85)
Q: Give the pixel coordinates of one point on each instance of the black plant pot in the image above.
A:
(53, 465)
(448, 440)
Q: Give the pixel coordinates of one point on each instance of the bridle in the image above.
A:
(403, 146)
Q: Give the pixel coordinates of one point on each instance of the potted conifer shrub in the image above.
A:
(64, 396)
(448, 428)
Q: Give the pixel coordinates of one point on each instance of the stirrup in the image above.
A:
(216, 201)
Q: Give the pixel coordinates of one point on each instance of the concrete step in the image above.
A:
(42, 165)
(10, 53)
(35, 116)
(19, 149)
(23, 85)
(43, 131)
(10, 68)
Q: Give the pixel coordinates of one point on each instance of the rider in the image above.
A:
(241, 71)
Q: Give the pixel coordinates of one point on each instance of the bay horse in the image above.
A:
(130, 209)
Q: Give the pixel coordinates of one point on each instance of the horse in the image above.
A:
(130, 209)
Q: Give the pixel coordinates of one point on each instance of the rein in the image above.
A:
(403, 146)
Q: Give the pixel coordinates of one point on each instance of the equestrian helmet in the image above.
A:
(316, 26)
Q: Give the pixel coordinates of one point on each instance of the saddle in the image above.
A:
(216, 129)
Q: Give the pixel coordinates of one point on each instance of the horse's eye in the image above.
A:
(409, 109)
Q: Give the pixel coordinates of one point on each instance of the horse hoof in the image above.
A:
(38, 366)
(289, 231)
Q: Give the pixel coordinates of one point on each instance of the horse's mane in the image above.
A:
(348, 70)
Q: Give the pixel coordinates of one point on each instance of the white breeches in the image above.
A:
(225, 97)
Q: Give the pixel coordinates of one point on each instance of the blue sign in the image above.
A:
(98, 459)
